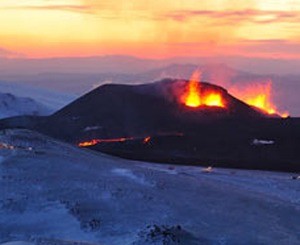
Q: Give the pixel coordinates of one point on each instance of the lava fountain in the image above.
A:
(260, 96)
(192, 96)
(195, 97)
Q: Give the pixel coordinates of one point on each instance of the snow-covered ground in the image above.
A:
(54, 193)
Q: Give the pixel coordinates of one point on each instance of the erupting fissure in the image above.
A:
(194, 97)
(260, 96)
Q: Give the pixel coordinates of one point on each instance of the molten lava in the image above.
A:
(192, 97)
(260, 96)
(261, 101)
(195, 97)
(144, 140)
(97, 141)
(213, 99)
(147, 140)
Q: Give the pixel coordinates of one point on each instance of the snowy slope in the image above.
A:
(53, 192)
(11, 105)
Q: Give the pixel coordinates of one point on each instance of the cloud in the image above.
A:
(167, 10)
(237, 16)
(72, 8)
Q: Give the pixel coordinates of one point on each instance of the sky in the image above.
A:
(150, 29)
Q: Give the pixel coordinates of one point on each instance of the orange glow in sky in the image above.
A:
(145, 28)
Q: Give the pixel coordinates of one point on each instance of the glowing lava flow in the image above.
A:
(194, 97)
(147, 140)
(97, 141)
(213, 99)
(144, 140)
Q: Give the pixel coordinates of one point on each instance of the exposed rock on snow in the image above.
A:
(263, 142)
(91, 128)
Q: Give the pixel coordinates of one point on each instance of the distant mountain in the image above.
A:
(11, 105)
(131, 64)
(52, 99)
(96, 64)
(81, 83)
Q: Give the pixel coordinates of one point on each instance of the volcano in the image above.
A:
(161, 122)
(113, 111)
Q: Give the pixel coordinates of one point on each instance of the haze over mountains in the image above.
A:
(131, 64)
(76, 76)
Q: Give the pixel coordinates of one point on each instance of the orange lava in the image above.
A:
(194, 97)
(97, 141)
(147, 140)
(213, 99)
(260, 96)
(144, 140)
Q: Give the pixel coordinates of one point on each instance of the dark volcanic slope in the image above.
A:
(226, 137)
(112, 111)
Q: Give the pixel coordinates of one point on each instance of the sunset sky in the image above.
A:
(147, 28)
